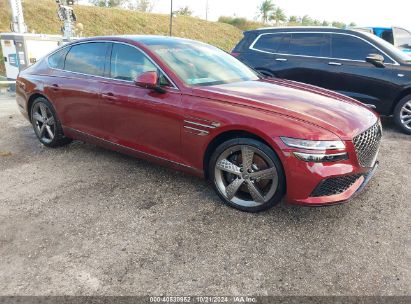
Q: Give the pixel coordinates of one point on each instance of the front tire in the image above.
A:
(247, 175)
(402, 114)
(46, 124)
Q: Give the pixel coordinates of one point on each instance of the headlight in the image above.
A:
(321, 158)
(319, 145)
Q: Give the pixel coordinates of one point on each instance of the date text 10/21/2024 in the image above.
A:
(202, 299)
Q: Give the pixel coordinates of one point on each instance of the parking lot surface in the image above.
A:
(81, 220)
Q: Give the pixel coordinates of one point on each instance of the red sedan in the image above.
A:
(194, 107)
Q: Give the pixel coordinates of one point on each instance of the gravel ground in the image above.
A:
(81, 220)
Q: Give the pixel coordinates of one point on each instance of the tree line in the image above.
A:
(144, 6)
(268, 13)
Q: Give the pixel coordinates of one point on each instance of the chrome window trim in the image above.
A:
(174, 86)
(330, 58)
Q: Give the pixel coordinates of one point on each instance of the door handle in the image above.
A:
(281, 59)
(55, 87)
(109, 96)
(335, 63)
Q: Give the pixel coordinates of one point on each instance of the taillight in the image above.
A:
(235, 54)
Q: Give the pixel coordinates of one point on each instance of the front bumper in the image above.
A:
(311, 184)
(356, 188)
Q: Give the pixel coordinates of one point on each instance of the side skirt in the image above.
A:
(79, 135)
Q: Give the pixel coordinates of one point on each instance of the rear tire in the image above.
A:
(46, 124)
(402, 114)
(247, 175)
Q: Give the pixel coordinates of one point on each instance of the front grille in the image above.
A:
(335, 185)
(367, 145)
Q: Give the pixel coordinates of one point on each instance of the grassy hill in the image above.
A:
(41, 17)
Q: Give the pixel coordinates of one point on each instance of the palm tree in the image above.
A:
(265, 8)
(184, 11)
(144, 6)
(278, 16)
(307, 20)
(317, 22)
(339, 24)
(325, 23)
(294, 20)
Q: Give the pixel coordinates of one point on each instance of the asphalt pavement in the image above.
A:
(81, 220)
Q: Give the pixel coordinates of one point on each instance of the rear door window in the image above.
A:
(273, 43)
(87, 58)
(284, 46)
(352, 48)
(310, 44)
(56, 61)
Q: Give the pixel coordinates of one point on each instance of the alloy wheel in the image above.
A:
(405, 115)
(246, 176)
(44, 122)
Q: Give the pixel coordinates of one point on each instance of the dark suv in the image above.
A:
(357, 64)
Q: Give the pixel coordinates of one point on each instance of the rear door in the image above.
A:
(305, 58)
(296, 56)
(75, 86)
(268, 53)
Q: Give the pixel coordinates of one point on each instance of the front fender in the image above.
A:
(208, 120)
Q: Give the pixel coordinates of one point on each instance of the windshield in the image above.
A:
(399, 55)
(201, 64)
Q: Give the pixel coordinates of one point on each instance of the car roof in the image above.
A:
(375, 40)
(143, 39)
(150, 39)
(300, 29)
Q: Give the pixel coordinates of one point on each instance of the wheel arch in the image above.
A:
(405, 92)
(31, 100)
(231, 134)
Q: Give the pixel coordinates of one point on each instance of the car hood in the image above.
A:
(337, 113)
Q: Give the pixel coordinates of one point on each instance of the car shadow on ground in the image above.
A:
(205, 192)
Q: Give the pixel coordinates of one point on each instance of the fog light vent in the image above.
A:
(335, 185)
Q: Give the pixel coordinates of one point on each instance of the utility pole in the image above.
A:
(206, 10)
(171, 18)
(17, 24)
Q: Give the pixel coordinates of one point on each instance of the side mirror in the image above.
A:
(149, 80)
(376, 59)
